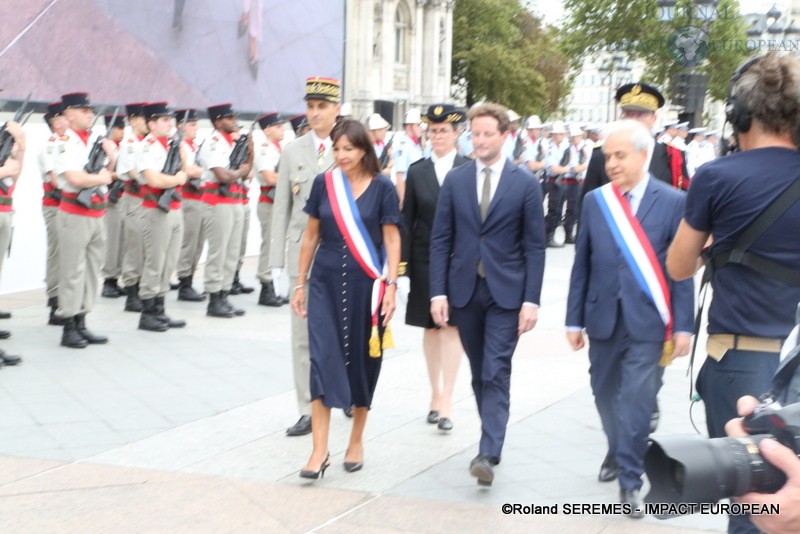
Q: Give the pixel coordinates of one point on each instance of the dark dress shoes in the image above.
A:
(433, 417)
(301, 427)
(445, 424)
(609, 469)
(634, 501)
(8, 359)
(482, 468)
(5, 315)
(654, 418)
(348, 411)
(5, 334)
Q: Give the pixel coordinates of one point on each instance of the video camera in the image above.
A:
(692, 469)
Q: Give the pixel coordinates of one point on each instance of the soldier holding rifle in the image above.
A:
(81, 233)
(160, 164)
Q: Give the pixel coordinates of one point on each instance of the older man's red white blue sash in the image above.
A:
(348, 220)
(637, 250)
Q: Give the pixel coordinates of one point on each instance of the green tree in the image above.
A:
(502, 53)
(633, 27)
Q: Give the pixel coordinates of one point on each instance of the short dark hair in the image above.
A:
(357, 134)
(491, 110)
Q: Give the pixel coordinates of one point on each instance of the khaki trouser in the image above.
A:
(245, 231)
(193, 236)
(133, 256)
(51, 226)
(6, 228)
(162, 236)
(223, 228)
(301, 360)
(264, 212)
(81, 242)
(114, 221)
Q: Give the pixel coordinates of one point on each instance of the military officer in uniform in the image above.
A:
(557, 167)
(222, 194)
(114, 221)
(301, 161)
(133, 255)
(265, 162)
(192, 209)
(52, 195)
(639, 101)
(163, 231)
(407, 149)
(9, 174)
(81, 232)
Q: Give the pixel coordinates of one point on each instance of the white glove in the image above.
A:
(403, 288)
(279, 282)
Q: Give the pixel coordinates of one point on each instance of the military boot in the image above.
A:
(111, 290)
(268, 296)
(80, 324)
(237, 287)
(238, 312)
(186, 291)
(55, 320)
(133, 303)
(164, 318)
(71, 337)
(217, 307)
(149, 320)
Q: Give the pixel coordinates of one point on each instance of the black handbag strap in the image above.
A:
(740, 254)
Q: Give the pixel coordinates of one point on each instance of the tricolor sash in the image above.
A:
(638, 252)
(358, 241)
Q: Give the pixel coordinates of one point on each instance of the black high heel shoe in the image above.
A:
(352, 467)
(320, 473)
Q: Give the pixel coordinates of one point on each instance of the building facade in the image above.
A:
(397, 51)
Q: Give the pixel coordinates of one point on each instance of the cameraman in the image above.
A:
(751, 312)
(788, 497)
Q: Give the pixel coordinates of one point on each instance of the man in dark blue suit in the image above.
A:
(626, 318)
(487, 262)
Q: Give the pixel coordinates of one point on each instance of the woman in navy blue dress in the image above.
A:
(340, 290)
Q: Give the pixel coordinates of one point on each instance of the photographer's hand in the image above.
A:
(788, 497)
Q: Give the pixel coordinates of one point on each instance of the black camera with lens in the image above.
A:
(695, 470)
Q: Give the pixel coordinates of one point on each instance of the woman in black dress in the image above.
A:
(442, 346)
(352, 231)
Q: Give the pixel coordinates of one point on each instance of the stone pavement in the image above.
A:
(184, 431)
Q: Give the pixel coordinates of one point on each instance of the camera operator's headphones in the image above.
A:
(736, 111)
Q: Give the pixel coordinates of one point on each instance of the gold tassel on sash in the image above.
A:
(374, 343)
(388, 339)
(666, 356)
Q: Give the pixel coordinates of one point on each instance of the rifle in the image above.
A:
(384, 157)
(238, 155)
(96, 161)
(197, 183)
(519, 145)
(173, 165)
(115, 190)
(7, 140)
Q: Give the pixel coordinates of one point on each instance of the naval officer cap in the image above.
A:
(438, 113)
(639, 97)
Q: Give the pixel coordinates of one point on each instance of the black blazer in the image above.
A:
(659, 167)
(419, 207)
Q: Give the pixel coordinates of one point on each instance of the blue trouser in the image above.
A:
(623, 377)
(489, 335)
(721, 384)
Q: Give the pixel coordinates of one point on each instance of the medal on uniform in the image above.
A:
(296, 188)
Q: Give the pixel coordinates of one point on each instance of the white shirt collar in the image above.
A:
(324, 142)
(497, 166)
